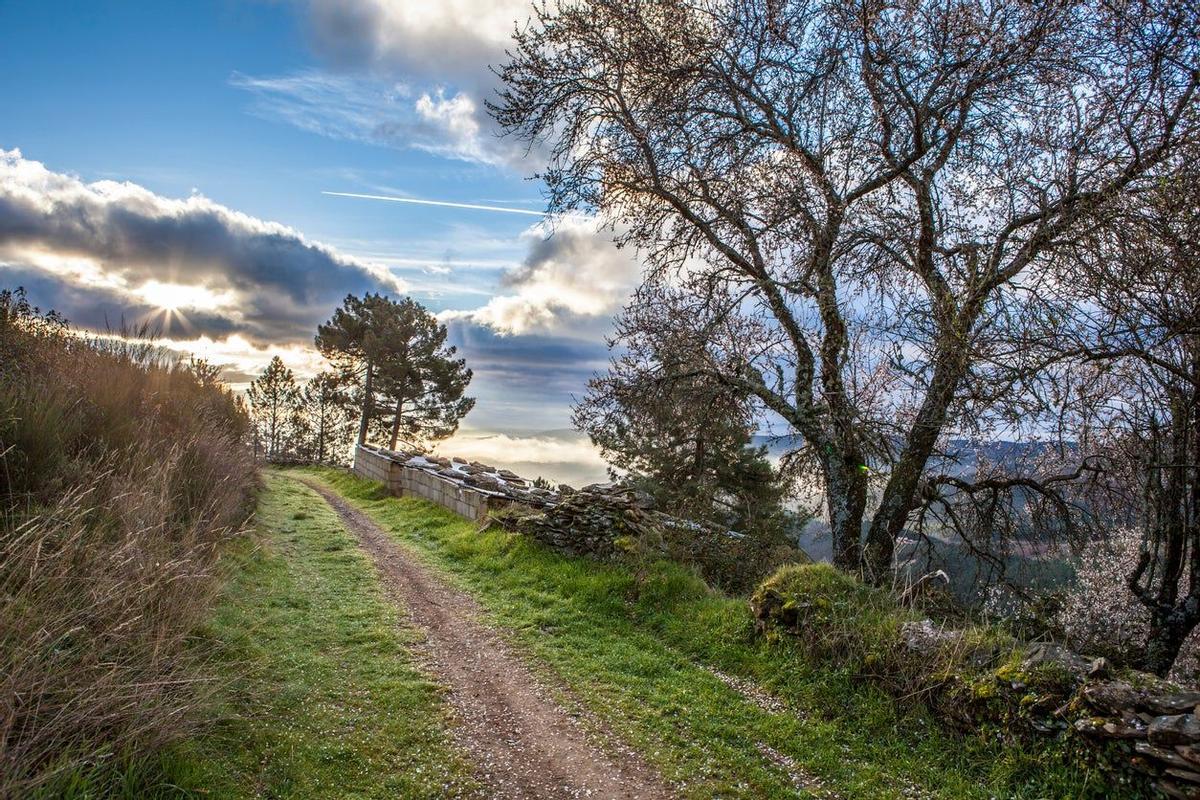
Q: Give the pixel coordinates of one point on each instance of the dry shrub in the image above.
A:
(734, 563)
(121, 472)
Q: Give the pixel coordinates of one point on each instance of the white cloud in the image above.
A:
(117, 248)
(404, 74)
(573, 460)
(489, 447)
(380, 111)
(573, 276)
(455, 117)
(451, 39)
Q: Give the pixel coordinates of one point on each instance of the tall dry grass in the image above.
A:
(121, 473)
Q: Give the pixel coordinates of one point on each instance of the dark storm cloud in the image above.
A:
(97, 245)
(531, 378)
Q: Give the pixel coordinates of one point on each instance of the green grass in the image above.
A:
(637, 651)
(320, 695)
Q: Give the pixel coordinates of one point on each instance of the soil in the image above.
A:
(523, 744)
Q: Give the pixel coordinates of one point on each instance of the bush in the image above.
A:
(121, 472)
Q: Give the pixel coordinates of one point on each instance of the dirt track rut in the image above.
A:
(523, 744)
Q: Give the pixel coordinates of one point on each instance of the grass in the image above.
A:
(322, 696)
(640, 651)
(123, 473)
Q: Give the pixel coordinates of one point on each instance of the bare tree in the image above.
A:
(877, 188)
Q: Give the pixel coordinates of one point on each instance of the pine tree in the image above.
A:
(274, 400)
(681, 436)
(349, 341)
(325, 404)
(393, 353)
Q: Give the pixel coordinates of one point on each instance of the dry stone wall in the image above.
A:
(467, 488)
(592, 520)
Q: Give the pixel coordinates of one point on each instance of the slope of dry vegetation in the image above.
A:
(121, 473)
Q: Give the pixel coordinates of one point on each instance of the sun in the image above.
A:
(177, 296)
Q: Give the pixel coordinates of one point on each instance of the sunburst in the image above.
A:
(169, 300)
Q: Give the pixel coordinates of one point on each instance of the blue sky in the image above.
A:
(167, 161)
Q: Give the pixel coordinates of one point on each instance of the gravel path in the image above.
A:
(523, 744)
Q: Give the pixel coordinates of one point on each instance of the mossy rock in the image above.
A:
(808, 594)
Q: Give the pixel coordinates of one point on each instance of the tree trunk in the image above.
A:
(321, 436)
(1168, 632)
(396, 423)
(899, 495)
(368, 389)
(846, 500)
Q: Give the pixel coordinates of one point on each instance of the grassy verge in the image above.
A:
(322, 697)
(640, 651)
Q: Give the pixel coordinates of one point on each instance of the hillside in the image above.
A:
(342, 676)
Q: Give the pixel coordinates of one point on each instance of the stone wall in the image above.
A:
(589, 521)
(469, 489)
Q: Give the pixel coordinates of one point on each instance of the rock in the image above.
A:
(1111, 697)
(1123, 730)
(1190, 753)
(925, 637)
(1163, 755)
(1176, 703)
(1173, 729)
(1048, 654)
(1106, 728)
(1178, 790)
(643, 500)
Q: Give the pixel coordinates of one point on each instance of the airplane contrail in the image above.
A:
(443, 203)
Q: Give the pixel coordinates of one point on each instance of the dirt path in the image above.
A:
(523, 744)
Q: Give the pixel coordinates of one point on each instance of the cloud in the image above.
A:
(403, 75)
(119, 250)
(381, 111)
(570, 280)
(449, 39)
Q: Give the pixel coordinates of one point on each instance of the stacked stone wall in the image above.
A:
(392, 470)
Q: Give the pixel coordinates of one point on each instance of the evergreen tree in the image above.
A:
(681, 436)
(349, 340)
(274, 401)
(325, 405)
(394, 354)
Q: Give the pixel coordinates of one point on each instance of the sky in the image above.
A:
(193, 166)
